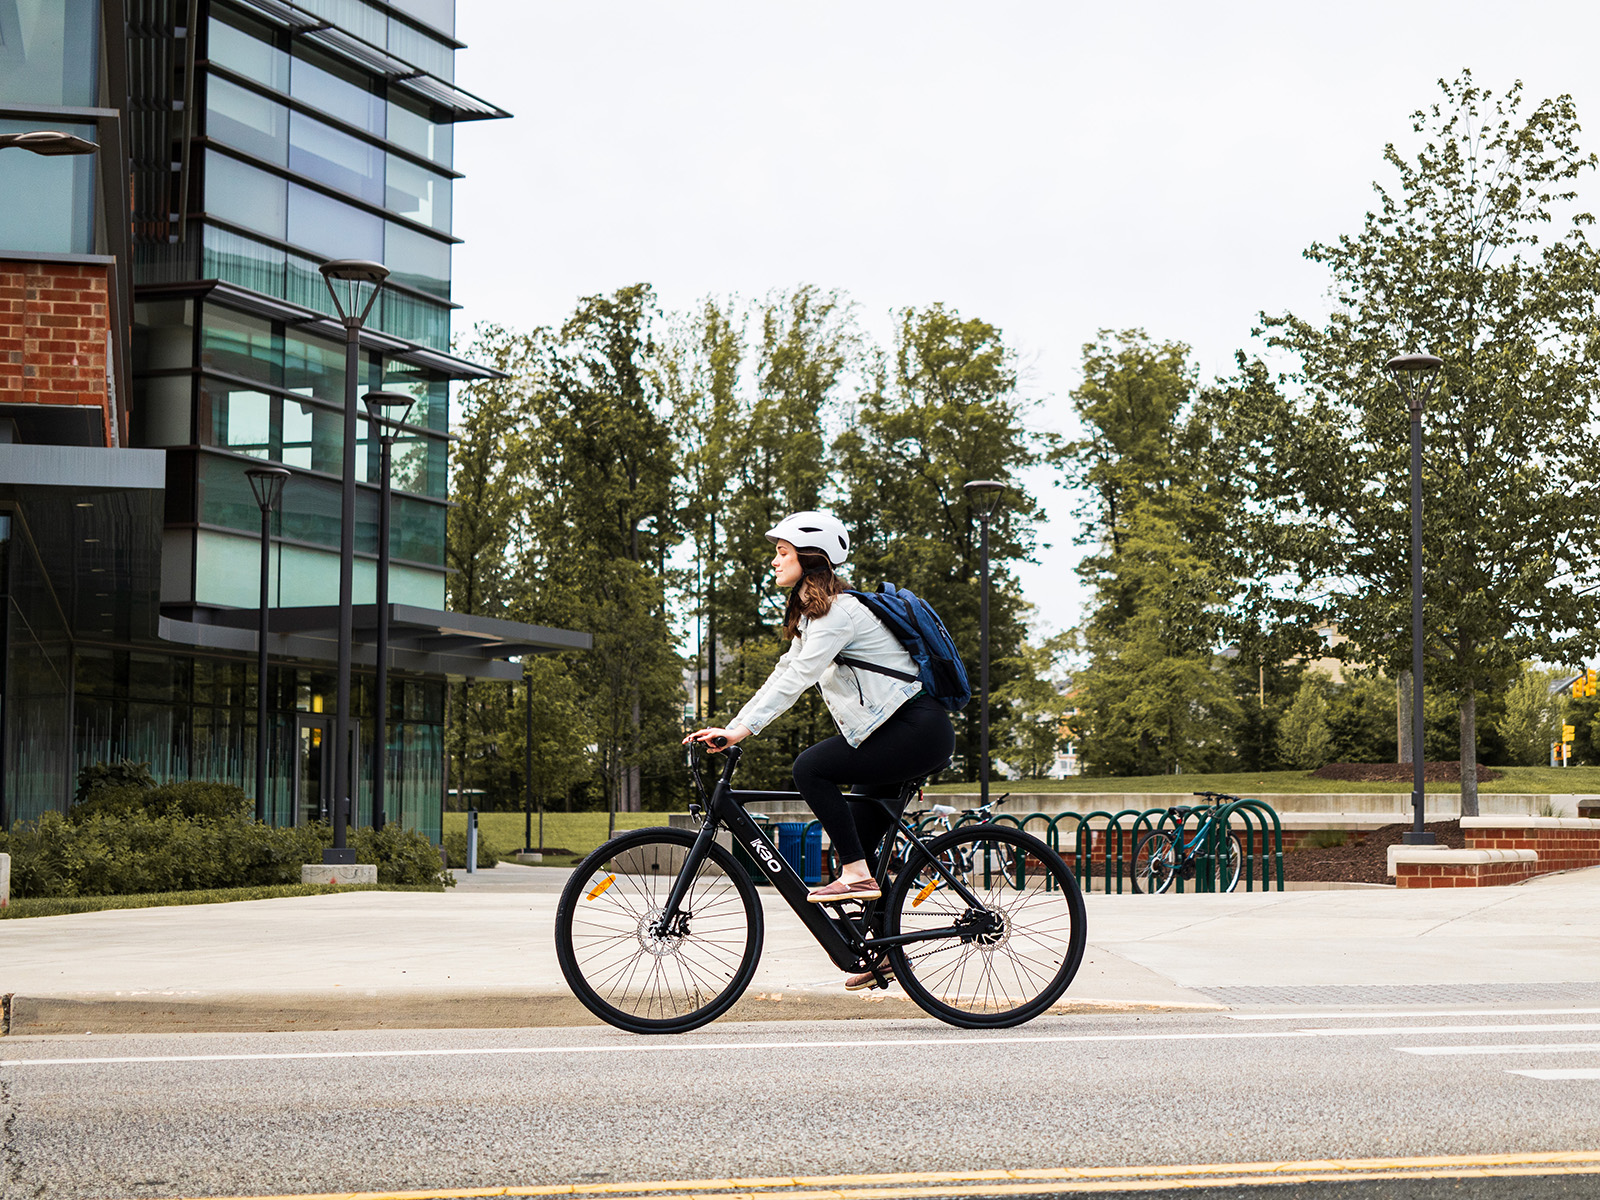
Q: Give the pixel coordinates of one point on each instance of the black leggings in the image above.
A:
(917, 740)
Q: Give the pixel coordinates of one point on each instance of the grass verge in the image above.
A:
(577, 832)
(1513, 780)
(57, 906)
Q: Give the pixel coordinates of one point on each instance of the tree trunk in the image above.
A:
(1402, 712)
(1469, 751)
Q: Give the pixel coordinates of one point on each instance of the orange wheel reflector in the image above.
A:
(925, 893)
(600, 887)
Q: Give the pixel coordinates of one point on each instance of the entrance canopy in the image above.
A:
(426, 640)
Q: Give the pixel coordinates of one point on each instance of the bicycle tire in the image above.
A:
(1235, 863)
(1010, 974)
(1155, 860)
(629, 977)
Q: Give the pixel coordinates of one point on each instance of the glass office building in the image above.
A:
(241, 144)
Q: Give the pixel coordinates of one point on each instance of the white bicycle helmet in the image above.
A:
(814, 531)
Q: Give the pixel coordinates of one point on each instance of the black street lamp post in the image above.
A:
(985, 495)
(267, 483)
(1415, 374)
(352, 277)
(386, 411)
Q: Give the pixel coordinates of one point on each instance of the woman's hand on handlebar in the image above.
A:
(715, 739)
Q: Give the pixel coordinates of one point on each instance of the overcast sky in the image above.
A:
(1054, 168)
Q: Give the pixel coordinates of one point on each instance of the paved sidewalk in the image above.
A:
(482, 955)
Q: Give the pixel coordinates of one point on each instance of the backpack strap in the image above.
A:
(863, 665)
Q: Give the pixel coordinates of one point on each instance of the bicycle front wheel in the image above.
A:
(1003, 962)
(632, 971)
(1155, 862)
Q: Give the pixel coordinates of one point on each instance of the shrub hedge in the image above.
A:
(124, 849)
(455, 847)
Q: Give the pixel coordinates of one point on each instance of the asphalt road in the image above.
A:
(258, 1114)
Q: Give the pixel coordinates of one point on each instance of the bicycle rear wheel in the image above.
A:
(641, 978)
(1155, 862)
(1004, 962)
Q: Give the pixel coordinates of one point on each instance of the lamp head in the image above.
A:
(347, 279)
(985, 495)
(389, 407)
(267, 484)
(48, 142)
(1414, 374)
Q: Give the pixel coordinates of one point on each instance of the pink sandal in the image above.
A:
(839, 891)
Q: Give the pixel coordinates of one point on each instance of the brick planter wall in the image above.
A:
(1500, 850)
(53, 326)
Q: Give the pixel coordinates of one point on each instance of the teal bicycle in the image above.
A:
(1164, 855)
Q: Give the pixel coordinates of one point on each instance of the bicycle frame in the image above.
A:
(851, 943)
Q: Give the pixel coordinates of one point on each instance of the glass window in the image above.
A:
(432, 390)
(237, 259)
(440, 14)
(418, 193)
(245, 195)
(321, 152)
(241, 344)
(332, 228)
(49, 54)
(228, 566)
(418, 465)
(49, 200)
(247, 121)
(364, 20)
(313, 437)
(417, 260)
(313, 367)
(421, 49)
(410, 127)
(416, 531)
(338, 90)
(245, 45)
(415, 319)
(236, 418)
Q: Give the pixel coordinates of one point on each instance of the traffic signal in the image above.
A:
(1589, 684)
(1568, 733)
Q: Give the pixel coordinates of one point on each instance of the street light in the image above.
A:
(386, 411)
(985, 496)
(49, 142)
(1415, 375)
(267, 484)
(348, 279)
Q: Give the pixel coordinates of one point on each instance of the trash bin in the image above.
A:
(800, 843)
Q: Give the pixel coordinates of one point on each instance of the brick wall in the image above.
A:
(1443, 875)
(1559, 847)
(53, 323)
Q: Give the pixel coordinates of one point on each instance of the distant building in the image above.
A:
(163, 328)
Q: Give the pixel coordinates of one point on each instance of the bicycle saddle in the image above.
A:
(1180, 810)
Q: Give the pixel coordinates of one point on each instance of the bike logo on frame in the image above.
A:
(771, 861)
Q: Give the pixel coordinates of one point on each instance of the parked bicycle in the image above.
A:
(660, 930)
(927, 822)
(1162, 855)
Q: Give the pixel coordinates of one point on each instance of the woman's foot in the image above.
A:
(841, 890)
(882, 977)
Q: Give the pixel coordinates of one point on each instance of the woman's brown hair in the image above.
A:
(813, 595)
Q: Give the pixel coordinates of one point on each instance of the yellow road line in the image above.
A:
(909, 1185)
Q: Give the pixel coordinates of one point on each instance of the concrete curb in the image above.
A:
(51, 1016)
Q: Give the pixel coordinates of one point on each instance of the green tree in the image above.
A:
(943, 409)
(1035, 705)
(1304, 738)
(1475, 253)
(1532, 719)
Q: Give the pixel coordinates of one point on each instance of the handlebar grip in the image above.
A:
(717, 743)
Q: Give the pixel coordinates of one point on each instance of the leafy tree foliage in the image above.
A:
(1475, 255)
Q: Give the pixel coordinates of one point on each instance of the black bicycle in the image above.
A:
(660, 930)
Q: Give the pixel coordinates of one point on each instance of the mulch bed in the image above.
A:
(1432, 772)
(1366, 861)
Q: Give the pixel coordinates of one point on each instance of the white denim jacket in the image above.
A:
(859, 701)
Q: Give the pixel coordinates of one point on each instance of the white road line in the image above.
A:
(1403, 1016)
(1574, 1073)
(1508, 1048)
(695, 1047)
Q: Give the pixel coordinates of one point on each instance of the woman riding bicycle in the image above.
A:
(889, 729)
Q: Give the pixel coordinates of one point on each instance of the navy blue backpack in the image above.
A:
(918, 628)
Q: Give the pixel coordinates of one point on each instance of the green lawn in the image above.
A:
(578, 832)
(56, 906)
(1518, 780)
